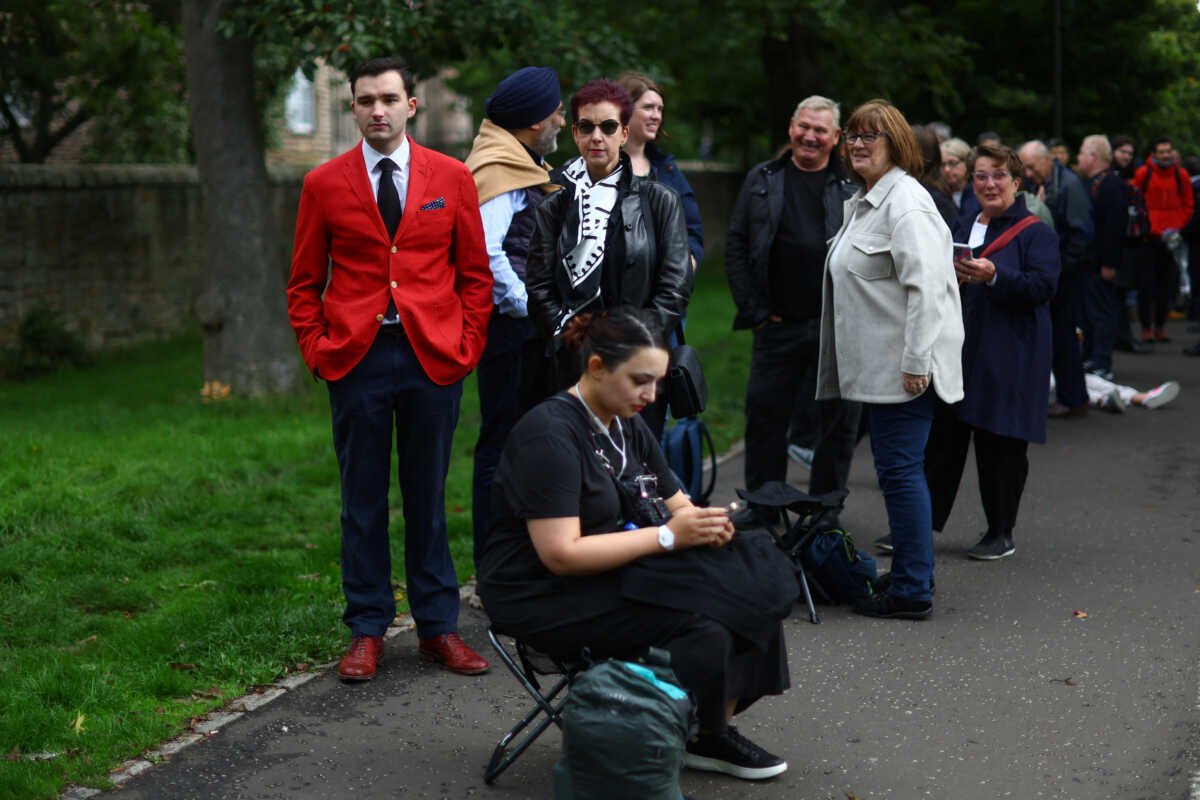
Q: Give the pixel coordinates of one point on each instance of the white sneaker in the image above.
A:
(1159, 396)
(801, 455)
(1112, 402)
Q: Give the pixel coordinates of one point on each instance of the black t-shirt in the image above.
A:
(797, 258)
(549, 469)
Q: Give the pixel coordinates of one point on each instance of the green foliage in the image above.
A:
(65, 62)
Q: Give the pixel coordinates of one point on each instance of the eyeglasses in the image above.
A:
(868, 138)
(608, 127)
(997, 177)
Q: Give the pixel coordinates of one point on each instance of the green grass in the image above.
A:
(159, 555)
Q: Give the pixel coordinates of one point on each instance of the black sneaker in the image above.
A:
(884, 582)
(884, 543)
(733, 754)
(991, 547)
(888, 606)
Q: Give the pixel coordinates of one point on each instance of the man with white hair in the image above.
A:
(1110, 215)
(787, 210)
(1064, 192)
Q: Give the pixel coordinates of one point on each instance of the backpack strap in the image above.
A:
(1001, 241)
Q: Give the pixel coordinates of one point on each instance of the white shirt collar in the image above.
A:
(400, 156)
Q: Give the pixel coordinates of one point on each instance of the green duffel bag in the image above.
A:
(624, 729)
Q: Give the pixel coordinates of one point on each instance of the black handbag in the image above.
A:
(687, 392)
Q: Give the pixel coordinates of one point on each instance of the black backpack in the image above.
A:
(624, 728)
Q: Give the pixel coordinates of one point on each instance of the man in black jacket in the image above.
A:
(787, 210)
(1110, 215)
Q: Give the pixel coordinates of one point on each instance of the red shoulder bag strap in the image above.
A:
(1001, 241)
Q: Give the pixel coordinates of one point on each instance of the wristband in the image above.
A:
(666, 538)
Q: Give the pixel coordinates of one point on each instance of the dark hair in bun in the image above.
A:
(613, 335)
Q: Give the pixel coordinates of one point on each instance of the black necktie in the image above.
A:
(389, 199)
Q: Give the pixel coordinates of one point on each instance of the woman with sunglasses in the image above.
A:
(1007, 281)
(891, 334)
(609, 238)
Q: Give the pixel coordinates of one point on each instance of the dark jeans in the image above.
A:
(899, 432)
(1066, 313)
(1002, 462)
(710, 662)
(806, 421)
(781, 354)
(1154, 285)
(1100, 309)
(386, 389)
(498, 410)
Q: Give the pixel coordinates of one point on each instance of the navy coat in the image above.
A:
(1007, 351)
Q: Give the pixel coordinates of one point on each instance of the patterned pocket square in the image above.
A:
(439, 203)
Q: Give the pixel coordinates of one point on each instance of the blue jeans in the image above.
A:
(899, 432)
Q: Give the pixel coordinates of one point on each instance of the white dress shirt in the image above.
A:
(399, 156)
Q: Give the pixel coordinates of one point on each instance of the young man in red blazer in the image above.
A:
(389, 297)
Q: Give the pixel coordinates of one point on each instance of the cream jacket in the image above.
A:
(890, 301)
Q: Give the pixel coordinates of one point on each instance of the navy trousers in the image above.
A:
(1066, 313)
(499, 409)
(1100, 309)
(388, 389)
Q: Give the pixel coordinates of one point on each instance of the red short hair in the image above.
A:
(602, 91)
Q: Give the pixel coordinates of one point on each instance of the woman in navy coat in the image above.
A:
(1006, 354)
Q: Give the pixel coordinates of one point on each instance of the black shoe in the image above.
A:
(1134, 347)
(733, 754)
(991, 547)
(884, 543)
(884, 582)
(1194, 350)
(887, 606)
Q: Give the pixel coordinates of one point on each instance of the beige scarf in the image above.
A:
(500, 163)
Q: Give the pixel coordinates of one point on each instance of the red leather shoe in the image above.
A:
(360, 661)
(452, 652)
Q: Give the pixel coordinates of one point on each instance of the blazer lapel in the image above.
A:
(418, 180)
(360, 186)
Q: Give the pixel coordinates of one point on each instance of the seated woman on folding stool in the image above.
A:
(566, 566)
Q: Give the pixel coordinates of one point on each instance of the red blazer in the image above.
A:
(344, 268)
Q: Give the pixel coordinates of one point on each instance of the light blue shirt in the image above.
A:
(508, 290)
(400, 156)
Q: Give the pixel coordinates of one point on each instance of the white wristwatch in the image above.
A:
(666, 538)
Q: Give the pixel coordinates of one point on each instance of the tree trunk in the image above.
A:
(248, 344)
(793, 69)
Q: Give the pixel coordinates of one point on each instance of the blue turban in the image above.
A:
(527, 96)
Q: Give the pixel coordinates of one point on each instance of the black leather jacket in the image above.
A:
(657, 271)
(754, 225)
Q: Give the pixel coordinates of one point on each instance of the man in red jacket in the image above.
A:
(390, 296)
(1168, 192)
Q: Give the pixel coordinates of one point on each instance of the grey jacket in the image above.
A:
(890, 302)
(752, 232)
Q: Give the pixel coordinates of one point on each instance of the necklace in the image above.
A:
(619, 448)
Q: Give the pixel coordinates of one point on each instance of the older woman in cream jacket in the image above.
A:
(892, 334)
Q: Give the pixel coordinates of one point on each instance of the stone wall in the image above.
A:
(118, 250)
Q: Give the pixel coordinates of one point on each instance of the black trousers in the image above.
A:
(1002, 461)
(1066, 314)
(1155, 280)
(709, 660)
(781, 354)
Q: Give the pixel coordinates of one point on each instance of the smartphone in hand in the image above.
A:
(962, 251)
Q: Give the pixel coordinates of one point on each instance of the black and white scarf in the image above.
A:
(594, 202)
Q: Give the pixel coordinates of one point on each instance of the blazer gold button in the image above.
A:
(379, 317)
(394, 249)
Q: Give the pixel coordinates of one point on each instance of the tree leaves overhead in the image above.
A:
(64, 62)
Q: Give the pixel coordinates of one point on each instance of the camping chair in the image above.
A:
(810, 512)
(532, 663)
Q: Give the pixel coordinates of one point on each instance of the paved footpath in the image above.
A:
(1004, 693)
